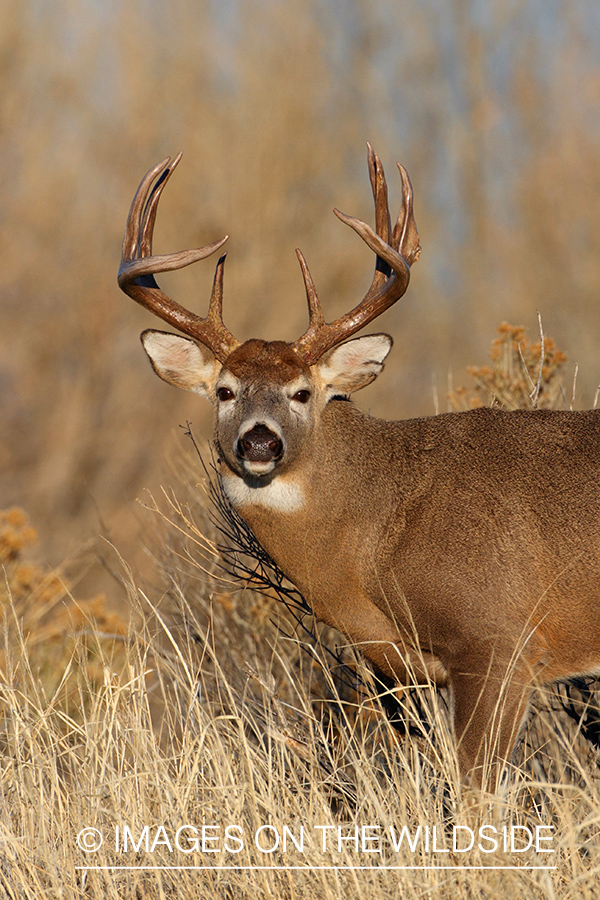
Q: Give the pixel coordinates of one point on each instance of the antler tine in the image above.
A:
(138, 268)
(215, 307)
(315, 310)
(151, 206)
(132, 230)
(396, 251)
(406, 236)
(383, 224)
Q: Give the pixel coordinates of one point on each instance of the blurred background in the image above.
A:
(494, 109)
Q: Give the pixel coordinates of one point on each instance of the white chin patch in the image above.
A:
(258, 468)
(279, 496)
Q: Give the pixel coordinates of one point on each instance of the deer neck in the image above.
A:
(318, 512)
(343, 446)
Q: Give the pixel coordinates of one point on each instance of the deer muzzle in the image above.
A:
(260, 445)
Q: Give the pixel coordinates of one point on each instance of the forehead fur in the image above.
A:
(255, 357)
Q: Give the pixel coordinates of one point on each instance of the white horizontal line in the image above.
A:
(305, 868)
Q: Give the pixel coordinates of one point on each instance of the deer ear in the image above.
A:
(351, 366)
(182, 362)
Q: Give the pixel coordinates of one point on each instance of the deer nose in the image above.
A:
(260, 444)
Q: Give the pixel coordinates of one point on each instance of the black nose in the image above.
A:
(260, 444)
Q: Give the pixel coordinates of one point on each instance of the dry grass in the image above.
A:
(202, 713)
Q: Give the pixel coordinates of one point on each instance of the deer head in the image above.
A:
(268, 396)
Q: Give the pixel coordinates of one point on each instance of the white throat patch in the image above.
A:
(279, 495)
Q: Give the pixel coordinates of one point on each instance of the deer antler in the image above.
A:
(396, 251)
(138, 268)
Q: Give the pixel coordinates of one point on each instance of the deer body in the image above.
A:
(463, 548)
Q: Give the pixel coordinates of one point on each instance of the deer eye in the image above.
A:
(225, 394)
(302, 396)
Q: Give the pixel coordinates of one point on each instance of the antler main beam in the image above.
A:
(396, 251)
(138, 268)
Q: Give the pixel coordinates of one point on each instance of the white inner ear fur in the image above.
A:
(353, 365)
(182, 362)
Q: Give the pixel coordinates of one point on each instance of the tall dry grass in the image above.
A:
(201, 713)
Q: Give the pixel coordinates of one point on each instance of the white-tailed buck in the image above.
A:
(461, 548)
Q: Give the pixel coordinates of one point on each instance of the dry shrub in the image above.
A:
(43, 621)
(523, 374)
